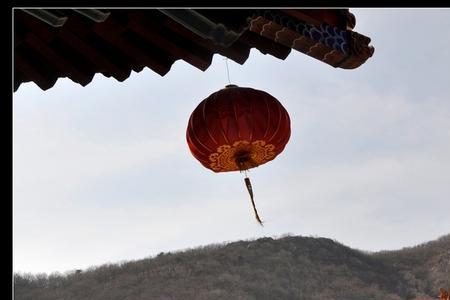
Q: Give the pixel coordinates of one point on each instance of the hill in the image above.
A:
(292, 267)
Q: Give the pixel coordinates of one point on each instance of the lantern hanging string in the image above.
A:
(228, 71)
(248, 184)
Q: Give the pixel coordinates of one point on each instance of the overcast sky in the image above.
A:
(103, 173)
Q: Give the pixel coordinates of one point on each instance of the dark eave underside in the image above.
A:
(134, 39)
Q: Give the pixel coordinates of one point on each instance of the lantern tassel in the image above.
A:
(248, 184)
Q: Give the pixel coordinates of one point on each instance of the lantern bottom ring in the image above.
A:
(242, 155)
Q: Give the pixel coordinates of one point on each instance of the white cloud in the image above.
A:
(371, 159)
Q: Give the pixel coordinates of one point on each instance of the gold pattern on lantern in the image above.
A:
(226, 157)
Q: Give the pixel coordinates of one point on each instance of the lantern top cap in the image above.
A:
(230, 86)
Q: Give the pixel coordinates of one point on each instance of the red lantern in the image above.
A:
(238, 128)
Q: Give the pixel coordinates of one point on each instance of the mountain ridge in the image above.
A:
(289, 267)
